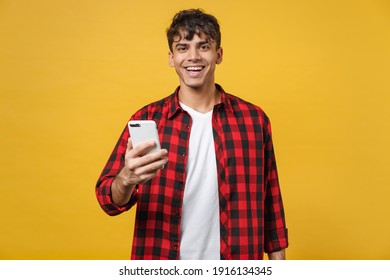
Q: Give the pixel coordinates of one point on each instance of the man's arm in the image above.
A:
(276, 234)
(123, 171)
(279, 255)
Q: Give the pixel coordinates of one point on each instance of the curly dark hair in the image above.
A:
(191, 22)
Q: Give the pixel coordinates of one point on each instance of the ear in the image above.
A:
(170, 59)
(219, 56)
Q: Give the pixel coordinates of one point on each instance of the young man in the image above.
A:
(212, 191)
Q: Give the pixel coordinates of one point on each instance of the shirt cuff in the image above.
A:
(108, 204)
(133, 199)
(276, 240)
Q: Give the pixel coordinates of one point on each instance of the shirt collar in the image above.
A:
(174, 105)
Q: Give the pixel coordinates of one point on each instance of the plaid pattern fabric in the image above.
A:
(251, 209)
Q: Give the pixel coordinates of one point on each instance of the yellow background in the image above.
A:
(72, 72)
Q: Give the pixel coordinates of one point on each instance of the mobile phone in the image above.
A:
(144, 130)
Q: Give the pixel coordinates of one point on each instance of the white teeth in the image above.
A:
(194, 68)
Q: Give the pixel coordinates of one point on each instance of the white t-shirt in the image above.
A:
(200, 231)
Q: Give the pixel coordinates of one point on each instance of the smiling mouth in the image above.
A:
(194, 68)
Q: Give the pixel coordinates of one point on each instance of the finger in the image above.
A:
(148, 158)
(151, 167)
(139, 162)
(153, 157)
(146, 177)
(140, 179)
(142, 148)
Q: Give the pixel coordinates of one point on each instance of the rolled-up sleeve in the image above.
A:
(103, 186)
(276, 235)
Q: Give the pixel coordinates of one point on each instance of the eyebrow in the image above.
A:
(186, 44)
(203, 43)
(181, 45)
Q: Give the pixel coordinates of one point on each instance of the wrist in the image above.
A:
(123, 184)
(278, 255)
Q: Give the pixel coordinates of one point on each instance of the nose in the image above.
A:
(193, 54)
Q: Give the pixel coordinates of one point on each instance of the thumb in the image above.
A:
(129, 144)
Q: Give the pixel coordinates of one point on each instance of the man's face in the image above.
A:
(195, 60)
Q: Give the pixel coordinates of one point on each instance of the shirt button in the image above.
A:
(188, 126)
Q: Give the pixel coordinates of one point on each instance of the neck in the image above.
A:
(200, 99)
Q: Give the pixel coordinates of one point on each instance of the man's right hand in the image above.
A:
(139, 168)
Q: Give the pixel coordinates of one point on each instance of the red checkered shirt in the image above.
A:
(251, 209)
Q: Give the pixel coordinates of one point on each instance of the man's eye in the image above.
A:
(181, 49)
(204, 47)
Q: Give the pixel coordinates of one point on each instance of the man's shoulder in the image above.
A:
(157, 107)
(239, 101)
(247, 108)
